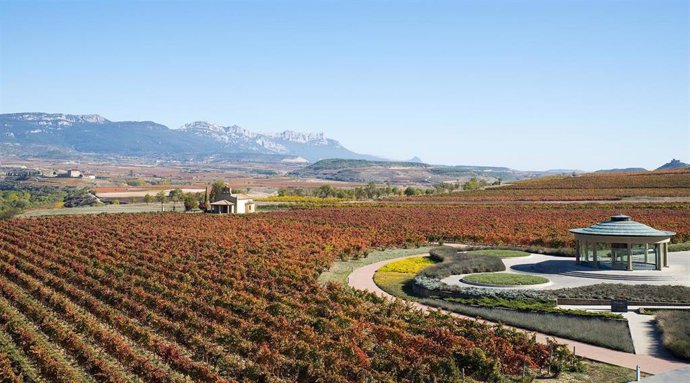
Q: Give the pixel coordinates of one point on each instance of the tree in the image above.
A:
(326, 191)
(409, 191)
(217, 189)
(474, 184)
(148, 198)
(175, 196)
(191, 201)
(162, 198)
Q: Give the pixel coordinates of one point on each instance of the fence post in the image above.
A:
(637, 373)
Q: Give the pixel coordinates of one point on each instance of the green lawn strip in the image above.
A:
(529, 306)
(505, 279)
(340, 270)
(500, 253)
(396, 284)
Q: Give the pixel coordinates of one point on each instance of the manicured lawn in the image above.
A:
(396, 284)
(408, 265)
(505, 279)
(396, 277)
(500, 253)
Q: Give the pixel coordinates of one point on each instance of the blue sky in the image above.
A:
(526, 84)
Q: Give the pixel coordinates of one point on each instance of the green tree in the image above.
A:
(176, 195)
(326, 191)
(217, 189)
(474, 184)
(148, 198)
(191, 201)
(162, 198)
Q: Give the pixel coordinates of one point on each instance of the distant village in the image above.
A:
(24, 173)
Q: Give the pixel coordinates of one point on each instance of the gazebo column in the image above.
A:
(630, 257)
(577, 252)
(657, 256)
(586, 251)
(666, 254)
(646, 251)
(596, 261)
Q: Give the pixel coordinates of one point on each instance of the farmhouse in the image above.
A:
(621, 243)
(228, 203)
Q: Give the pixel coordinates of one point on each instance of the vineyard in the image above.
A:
(507, 193)
(499, 224)
(671, 179)
(589, 186)
(191, 297)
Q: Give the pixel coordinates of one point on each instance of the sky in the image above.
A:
(531, 85)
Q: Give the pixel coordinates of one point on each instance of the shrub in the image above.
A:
(675, 331)
(607, 332)
(454, 263)
(503, 253)
(633, 293)
(505, 279)
(426, 286)
(559, 251)
(685, 246)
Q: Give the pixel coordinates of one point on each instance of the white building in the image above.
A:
(228, 203)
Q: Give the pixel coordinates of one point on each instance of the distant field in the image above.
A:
(585, 187)
(670, 179)
(142, 193)
(123, 208)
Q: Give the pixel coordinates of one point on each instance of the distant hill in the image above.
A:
(404, 172)
(621, 170)
(340, 163)
(36, 133)
(674, 164)
(415, 159)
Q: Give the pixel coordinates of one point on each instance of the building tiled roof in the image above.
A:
(622, 226)
(222, 203)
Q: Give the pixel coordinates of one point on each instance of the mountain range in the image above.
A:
(38, 133)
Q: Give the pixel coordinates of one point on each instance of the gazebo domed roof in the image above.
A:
(622, 226)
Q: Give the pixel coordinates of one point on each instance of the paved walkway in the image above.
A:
(363, 279)
(563, 272)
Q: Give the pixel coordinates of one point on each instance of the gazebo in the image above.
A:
(620, 243)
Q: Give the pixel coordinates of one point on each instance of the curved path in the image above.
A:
(363, 279)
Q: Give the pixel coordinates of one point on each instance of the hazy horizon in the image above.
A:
(530, 85)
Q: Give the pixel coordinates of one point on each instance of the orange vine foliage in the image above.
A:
(179, 297)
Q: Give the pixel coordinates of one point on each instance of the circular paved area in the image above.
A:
(563, 272)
